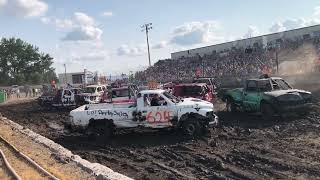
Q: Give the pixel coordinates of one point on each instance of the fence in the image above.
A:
(3, 96)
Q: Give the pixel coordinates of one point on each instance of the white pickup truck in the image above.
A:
(192, 115)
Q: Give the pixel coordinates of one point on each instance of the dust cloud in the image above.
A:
(298, 61)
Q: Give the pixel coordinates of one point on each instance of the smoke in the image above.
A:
(297, 61)
(298, 66)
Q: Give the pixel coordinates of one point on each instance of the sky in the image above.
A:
(106, 36)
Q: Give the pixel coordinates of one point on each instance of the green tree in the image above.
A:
(22, 63)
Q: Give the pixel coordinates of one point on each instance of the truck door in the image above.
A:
(67, 98)
(156, 116)
(251, 96)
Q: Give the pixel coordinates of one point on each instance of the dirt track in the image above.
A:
(244, 147)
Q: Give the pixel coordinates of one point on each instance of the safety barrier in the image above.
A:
(3, 96)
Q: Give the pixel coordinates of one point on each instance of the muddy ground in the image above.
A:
(244, 147)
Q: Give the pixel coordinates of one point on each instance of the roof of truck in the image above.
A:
(260, 79)
(95, 86)
(152, 91)
(191, 84)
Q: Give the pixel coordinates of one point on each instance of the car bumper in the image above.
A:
(294, 108)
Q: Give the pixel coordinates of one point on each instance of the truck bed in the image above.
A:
(117, 112)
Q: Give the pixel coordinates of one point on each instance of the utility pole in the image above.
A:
(147, 28)
(65, 73)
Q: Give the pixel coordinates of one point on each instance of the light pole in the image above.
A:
(277, 56)
(65, 73)
(146, 28)
(130, 76)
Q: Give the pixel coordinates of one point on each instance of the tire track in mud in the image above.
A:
(244, 147)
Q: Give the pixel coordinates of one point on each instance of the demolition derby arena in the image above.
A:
(243, 147)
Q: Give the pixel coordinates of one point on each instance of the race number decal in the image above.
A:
(158, 116)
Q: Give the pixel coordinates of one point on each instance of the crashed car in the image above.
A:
(209, 81)
(120, 95)
(192, 115)
(195, 90)
(269, 95)
(91, 94)
(59, 98)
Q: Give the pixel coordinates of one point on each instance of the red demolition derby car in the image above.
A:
(195, 90)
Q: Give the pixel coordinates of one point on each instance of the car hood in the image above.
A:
(193, 102)
(282, 92)
(87, 94)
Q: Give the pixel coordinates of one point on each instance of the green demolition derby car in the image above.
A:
(269, 95)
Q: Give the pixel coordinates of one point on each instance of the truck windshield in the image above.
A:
(171, 97)
(280, 84)
(120, 93)
(89, 90)
(188, 90)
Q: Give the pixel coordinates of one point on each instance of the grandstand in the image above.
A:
(264, 40)
(285, 53)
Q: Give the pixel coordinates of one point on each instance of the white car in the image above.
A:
(192, 115)
(15, 89)
(91, 94)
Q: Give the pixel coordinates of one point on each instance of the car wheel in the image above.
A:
(267, 111)
(191, 128)
(230, 105)
(101, 130)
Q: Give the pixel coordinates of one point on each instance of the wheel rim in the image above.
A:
(228, 106)
(190, 129)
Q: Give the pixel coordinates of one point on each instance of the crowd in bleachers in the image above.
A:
(235, 62)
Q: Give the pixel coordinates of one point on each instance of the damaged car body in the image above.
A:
(192, 115)
(269, 95)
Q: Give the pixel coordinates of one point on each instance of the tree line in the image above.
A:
(22, 63)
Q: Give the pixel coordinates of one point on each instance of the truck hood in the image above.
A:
(194, 103)
(87, 94)
(282, 92)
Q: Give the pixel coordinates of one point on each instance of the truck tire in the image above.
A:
(230, 105)
(267, 111)
(101, 130)
(191, 128)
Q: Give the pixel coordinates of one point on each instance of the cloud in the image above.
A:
(63, 23)
(81, 52)
(45, 20)
(85, 29)
(160, 45)
(196, 33)
(277, 27)
(25, 8)
(3, 3)
(83, 19)
(79, 55)
(59, 23)
(126, 50)
(107, 14)
(293, 23)
(84, 33)
(252, 32)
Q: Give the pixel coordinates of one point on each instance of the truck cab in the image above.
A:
(60, 98)
(125, 94)
(91, 94)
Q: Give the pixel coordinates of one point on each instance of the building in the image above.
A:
(264, 40)
(78, 78)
